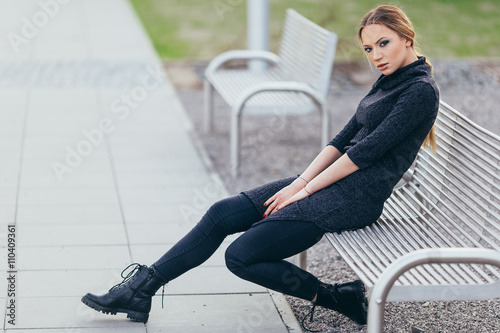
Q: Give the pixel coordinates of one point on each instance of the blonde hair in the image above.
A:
(395, 19)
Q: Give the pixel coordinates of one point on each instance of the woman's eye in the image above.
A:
(384, 43)
(368, 49)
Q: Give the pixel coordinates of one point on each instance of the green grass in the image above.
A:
(200, 29)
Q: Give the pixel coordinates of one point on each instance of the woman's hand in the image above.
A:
(282, 196)
(298, 196)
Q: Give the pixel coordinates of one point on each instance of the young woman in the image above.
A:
(343, 188)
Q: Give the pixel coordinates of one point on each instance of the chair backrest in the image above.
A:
(307, 52)
(455, 192)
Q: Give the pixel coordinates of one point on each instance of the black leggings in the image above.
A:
(257, 255)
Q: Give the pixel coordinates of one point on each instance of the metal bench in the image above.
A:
(295, 82)
(439, 235)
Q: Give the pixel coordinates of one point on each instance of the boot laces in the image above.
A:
(162, 287)
(126, 278)
(333, 292)
(130, 275)
(303, 321)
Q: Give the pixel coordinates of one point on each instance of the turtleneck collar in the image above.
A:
(416, 68)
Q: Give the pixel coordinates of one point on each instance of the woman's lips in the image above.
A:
(383, 66)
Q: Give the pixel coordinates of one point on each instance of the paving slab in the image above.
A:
(87, 234)
(148, 213)
(147, 233)
(164, 196)
(221, 313)
(157, 179)
(8, 197)
(63, 313)
(88, 176)
(70, 214)
(100, 170)
(90, 330)
(66, 283)
(73, 257)
(62, 197)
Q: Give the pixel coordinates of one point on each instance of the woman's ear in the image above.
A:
(409, 42)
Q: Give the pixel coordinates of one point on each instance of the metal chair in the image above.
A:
(296, 81)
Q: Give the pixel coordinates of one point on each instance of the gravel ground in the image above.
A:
(276, 146)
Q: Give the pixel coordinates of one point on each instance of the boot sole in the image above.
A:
(133, 315)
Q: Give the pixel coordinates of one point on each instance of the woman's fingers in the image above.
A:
(298, 196)
(277, 200)
(284, 204)
(271, 199)
(270, 204)
(271, 208)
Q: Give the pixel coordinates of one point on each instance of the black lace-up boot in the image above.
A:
(346, 298)
(132, 296)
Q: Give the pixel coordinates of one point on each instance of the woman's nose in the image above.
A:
(376, 54)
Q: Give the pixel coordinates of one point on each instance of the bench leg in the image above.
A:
(376, 311)
(209, 106)
(303, 259)
(300, 260)
(235, 142)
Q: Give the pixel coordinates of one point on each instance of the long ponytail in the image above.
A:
(430, 139)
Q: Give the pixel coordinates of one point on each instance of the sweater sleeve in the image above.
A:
(414, 106)
(346, 135)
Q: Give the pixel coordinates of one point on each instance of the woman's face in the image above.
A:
(386, 50)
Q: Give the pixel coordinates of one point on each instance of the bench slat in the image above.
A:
(444, 276)
(427, 238)
(232, 83)
(462, 217)
(352, 259)
(398, 236)
(482, 190)
(387, 256)
(390, 239)
(467, 194)
(489, 141)
(304, 49)
(483, 161)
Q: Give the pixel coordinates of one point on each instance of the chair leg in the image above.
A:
(209, 106)
(235, 142)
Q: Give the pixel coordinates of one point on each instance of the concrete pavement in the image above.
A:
(98, 170)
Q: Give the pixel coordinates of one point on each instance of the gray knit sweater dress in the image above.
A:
(382, 139)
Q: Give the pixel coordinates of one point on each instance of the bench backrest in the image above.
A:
(454, 194)
(307, 52)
